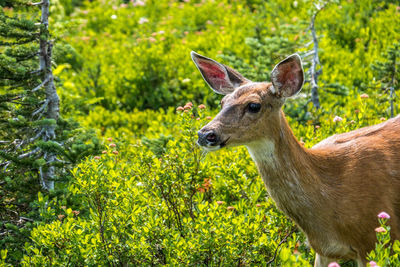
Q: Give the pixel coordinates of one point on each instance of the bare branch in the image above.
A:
(41, 109)
(37, 3)
(280, 243)
(30, 153)
(40, 85)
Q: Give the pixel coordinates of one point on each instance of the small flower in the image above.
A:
(61, 217)
(113, 16)
(364, 96)
(230, 208)
(258, 205)
(383, 215)
(373, 264)
(219, 202)
(317, 126)
(97, 157)
(352, 121)
(333, 264)
(197, 119)
(209, 118)
(380, 230)
(76, 212)
(115, 152)
(63, 207)
(186, 111)
(143, 20)
(202, 106)
(137, 3)
(123, 5)
(186, 80)
(187, 106)
(337, 118)
(356, 111)
(109, 139)
(382, 119)
(103, 152)
(152, 39)
(179, 108)
(113, 145)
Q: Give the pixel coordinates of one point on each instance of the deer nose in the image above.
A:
(207, 138)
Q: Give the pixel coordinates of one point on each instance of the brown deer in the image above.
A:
(332, 191)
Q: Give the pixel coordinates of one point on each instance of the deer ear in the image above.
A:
(222, 79)
(288, 76)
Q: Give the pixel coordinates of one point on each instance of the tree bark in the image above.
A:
(53, 101)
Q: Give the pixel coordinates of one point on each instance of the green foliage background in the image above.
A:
(155, 198)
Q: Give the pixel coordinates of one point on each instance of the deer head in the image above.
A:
(250, 111)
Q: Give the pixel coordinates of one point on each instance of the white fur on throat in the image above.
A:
(263, 151)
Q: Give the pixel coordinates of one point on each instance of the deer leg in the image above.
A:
(321, 261)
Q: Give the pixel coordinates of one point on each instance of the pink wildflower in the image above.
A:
(109, 139)
(137, 3)
(333, 264)
(143, 20)
(230, 208)
(115, 152)
(97, 157)
(220, 202)
(337, 118)
(380, 230)
(382, 119)
(201, 106)
(103, 152)
(209, 118)
(113, 145)
(383, 215)
(373, 264)
(179, 108)
(364, 96)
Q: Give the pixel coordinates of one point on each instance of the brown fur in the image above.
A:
(333, 191)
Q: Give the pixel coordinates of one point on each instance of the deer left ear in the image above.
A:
(222, 79)
(288, 76)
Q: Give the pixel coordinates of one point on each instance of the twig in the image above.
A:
(40, 85)
(39, 110)
(36, 4)
(280, 243)
(28, 154)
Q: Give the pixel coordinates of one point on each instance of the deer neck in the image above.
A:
(287, 171)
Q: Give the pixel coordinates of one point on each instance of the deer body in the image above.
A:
(332, 191)
(335, 190)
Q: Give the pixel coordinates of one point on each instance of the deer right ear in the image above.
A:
(288, 76)
(222, 79)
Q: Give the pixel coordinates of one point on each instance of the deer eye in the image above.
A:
(254, 107)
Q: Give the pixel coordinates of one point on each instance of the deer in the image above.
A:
(332, 191)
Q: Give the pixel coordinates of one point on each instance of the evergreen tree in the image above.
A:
(388, 73)
(29, 100)
(37, 146)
